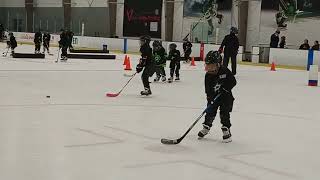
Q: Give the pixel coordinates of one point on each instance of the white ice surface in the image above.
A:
(79, 134)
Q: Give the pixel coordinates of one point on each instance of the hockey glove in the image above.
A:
(139, 68)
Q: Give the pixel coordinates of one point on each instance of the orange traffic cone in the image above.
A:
(192, 62)
(273, 67)
(128, 65)
(125, 60)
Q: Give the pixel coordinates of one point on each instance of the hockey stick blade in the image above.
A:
(115, 95)
(128, 75)
(170, 141)
(177, 141)
(112, 95)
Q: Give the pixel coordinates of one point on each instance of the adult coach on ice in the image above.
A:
(230, 44)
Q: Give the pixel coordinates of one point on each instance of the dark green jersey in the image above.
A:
(160, 56)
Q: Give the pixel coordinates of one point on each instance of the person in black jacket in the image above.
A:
(146, 64)
(187, 49)
(219, 82)
(1, 32)
(174, 57)
(46, 42)
(12, 43)
(70, 35)
(274, 40)
(37, 42)
(63, 44)
(231, 46)
(159, 55)
(316, 46)
(305, 45)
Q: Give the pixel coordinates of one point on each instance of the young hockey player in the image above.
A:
(219, 82)
(63, 44)
(187, 49)
(159, 54)
(146, 64)
(174, 56)
(37, 42)
(12, 43)
(46, 42)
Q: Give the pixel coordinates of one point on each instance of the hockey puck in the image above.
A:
(48, 96)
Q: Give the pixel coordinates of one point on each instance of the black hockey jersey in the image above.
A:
(146, 56)
(223, 79)
(187, 46)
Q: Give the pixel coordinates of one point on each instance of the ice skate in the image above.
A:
(156, 79)
(204, 131)
(226, 138)
(64, 59)
(146, 92)
(163, 78)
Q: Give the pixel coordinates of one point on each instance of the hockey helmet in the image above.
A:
(213, 57)
(234, 30)
(156, 43)
(144, 40)
(172, 46)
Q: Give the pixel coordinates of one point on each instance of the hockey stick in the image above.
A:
(177, 141)
(128, 75)
(117, 94)
(194, 27)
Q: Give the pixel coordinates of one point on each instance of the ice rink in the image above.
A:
(80, 134)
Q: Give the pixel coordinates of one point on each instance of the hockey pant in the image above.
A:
(46, 46)
(187, 55)
(37, 47)
(225, 103)
(147, 72)
(160, 70)
(64, 51)
(174, 68)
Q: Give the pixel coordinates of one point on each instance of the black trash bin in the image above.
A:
(105, 47)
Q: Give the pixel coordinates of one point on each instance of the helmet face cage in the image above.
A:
(156, 45)
(213, 57)
(172, 46)
(145, 40)
(234, 30)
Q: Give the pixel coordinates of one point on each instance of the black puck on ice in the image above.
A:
(48, 96)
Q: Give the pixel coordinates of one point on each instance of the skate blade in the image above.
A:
(227, 140)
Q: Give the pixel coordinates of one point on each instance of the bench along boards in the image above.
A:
(88, 51)
(26, 55)
(90, 56)
(195, 58)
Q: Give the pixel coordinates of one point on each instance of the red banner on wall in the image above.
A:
(142, 17)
